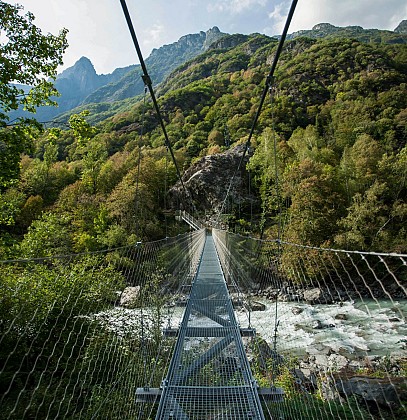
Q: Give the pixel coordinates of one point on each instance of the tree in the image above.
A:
(81, 129)
(48, 235)
(27, 57)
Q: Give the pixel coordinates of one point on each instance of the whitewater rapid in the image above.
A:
(353, 329)
(369, 328)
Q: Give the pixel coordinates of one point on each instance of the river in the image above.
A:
(354, 329)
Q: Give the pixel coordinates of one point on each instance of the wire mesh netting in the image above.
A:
(330, 326)
(80, 333)
(209, 376)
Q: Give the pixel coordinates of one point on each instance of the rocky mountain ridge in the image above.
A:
(327, 30)
(80, 84)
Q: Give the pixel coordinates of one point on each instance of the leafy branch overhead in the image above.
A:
(27, 57)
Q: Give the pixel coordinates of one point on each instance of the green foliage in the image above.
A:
(28, 58)
(330, 167)
(81, 129)
(337, 114)
(13, 142)
(49, 235)
(11, 202)
(310, 407)
(46, 309)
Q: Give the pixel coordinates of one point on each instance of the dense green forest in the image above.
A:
(337, 113)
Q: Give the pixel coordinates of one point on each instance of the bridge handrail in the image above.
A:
(186, 217)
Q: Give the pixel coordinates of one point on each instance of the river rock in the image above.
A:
(403, 344)
(296, 310)
(317, 295)
(341, 317)
(312, 295)
(337, 361)
(394, 320)
(288, 297)
(237, 299)
(329, 391)
(319, 325)
(129, 296)
(321, 360)
(271, 293)
(382, 391)
(257, 306)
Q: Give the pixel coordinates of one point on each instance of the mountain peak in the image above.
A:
(214, 30)
(79, 78)
(84, 61)
(83, 65)
(212, 35)
(324, 27)
(402, 27)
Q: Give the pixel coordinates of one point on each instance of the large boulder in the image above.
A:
(257, 306)
(130, 296)
(312, 295)
(317, 295)
(384, 392)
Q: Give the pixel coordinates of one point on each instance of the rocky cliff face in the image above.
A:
(229, 41)
(402, 27)
(82, 76)
(160, 64)
(211, 36)
(77, 82)
(208, 180)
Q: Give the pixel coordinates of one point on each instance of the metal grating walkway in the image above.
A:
(209, 375)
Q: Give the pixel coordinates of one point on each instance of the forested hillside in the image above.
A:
(338, 115)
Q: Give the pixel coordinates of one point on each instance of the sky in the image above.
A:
(98, 30)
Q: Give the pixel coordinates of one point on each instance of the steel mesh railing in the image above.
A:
(331, 329)
(80, 333)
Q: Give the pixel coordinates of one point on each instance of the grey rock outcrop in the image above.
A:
(402, 27)
(381, 391)
(208, 180)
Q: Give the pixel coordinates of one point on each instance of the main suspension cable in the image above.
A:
(267, 87)
(147, 81)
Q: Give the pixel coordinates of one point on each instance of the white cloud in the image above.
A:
(278, 17)
(154, 35)
(234, 6)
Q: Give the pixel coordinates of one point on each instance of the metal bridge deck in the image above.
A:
(209, 376)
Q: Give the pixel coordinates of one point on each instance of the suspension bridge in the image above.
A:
(166, 329)
(188, 346)
(188, 390)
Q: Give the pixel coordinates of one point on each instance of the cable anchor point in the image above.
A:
(270, 81)
(146, 79)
